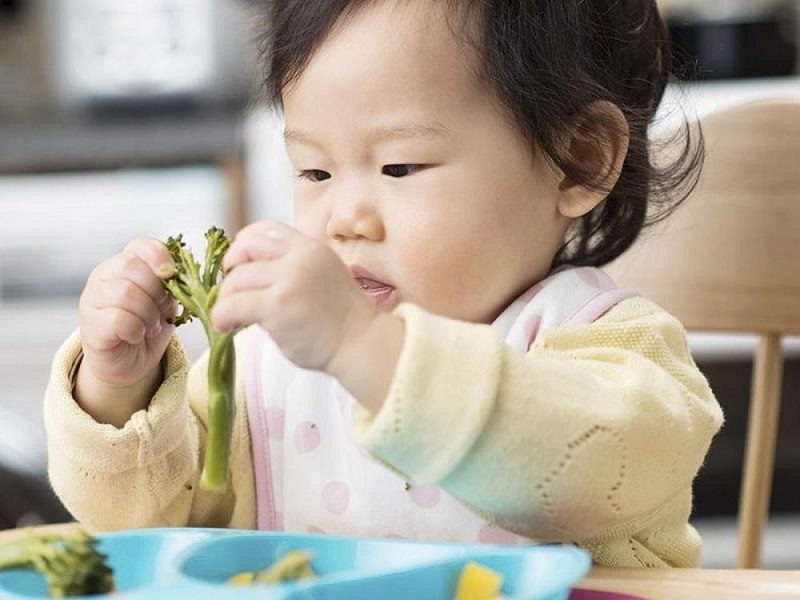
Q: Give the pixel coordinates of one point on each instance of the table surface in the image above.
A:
(695, 584)
(644, 584)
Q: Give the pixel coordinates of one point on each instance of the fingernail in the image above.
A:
(165, 270)
(155, 330)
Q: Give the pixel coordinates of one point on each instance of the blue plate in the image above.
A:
(195, 563)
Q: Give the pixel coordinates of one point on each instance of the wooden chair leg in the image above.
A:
(762, 433)
(235, 172)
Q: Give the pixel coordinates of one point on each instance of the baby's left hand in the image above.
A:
(297, 289)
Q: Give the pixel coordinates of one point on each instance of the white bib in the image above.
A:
(312, 477)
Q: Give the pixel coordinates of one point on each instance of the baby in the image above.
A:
(431, 351)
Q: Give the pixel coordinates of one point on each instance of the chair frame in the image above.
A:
(739, 218)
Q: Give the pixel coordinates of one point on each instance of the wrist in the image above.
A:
(109, 403)
(366, 362)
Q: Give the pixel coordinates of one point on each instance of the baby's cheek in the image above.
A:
(311, 221)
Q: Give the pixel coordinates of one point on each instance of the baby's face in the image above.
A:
(409, 171)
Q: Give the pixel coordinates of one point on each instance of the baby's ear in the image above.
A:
(597, 144)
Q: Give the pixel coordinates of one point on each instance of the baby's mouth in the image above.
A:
(378, 291)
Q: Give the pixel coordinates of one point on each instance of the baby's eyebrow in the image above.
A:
(292, 135)
(380, 133)
(409, 131)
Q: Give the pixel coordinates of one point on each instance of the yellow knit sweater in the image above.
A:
(593, 437)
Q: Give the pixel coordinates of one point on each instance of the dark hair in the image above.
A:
(549, 63)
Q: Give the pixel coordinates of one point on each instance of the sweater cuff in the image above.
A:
(440, 398)
(92, 446)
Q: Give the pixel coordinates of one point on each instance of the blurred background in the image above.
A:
(142, 118)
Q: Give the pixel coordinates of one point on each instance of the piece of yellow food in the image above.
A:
(477, 582)
(245, 578)
(292, 566)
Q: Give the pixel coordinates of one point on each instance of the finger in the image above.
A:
(154, 253)
(169, 308)
(130, 297)
(249, 276)
(235, 311)
(251, 303)
(265, 240)
(110, 326)
(130, 266)
(127, 295)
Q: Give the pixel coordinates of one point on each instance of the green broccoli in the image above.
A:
(196, 291)
(70, 563)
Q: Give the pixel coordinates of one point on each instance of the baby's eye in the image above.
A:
(400, 170)
(314, 175)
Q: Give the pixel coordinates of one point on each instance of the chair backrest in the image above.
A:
(728, 260)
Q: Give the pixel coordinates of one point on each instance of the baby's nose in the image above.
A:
(356, 217)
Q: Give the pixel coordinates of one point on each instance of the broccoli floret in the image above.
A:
(196, 290)
(70, 563)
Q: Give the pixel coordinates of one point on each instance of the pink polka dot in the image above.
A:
(490, 534)
(336, 497)
(276, 418)
(588, 276)
(306, 437)
(425, 496)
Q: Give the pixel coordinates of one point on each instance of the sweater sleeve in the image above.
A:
(146, 473)
(593, 436)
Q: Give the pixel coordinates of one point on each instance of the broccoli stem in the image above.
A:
(221, 411)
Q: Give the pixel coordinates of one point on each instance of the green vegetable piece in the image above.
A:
(70, 563)
(196, 290)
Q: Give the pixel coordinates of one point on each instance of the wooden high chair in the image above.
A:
(728, 260)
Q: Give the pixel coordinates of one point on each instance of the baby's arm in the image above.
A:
(145, 473)
(123, 443)
(596, 434)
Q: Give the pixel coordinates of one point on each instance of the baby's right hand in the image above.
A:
(123, 311)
